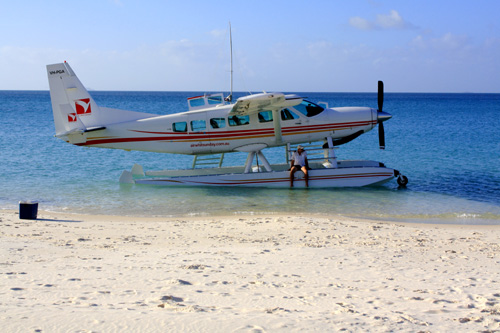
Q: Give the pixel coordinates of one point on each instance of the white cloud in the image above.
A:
(450, 41)
(419, 42)
(446, 43)
(391, 21)
(360, 23)
(219, 33)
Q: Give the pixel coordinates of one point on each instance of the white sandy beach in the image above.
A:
(74, 273)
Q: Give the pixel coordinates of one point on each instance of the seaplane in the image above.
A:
(213, 126)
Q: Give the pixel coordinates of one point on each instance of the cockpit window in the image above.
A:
(265, 116)
(218, 122)
(288, 115)
(308, 109)
(238, 120)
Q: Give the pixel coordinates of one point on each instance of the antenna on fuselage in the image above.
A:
(230, 97)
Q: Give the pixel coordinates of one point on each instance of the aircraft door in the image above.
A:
(293, 125)
(305, 123)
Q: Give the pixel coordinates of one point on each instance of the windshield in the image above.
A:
(309, 109)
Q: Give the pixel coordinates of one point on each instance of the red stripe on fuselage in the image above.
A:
(226, 135)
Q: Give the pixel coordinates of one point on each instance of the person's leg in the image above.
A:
(306, 175)
(292, 171)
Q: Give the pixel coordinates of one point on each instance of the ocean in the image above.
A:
(448, 145)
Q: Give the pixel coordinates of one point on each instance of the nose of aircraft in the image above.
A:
(383, 116)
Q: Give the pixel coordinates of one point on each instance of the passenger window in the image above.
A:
(218, 122)
(198, 125)
(308, 109)
(288, 115)
(265, 116)
(238, 120)
(180, 126)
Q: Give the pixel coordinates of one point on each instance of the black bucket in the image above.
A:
(28, 210)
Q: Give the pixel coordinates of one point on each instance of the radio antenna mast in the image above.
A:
(230, 97)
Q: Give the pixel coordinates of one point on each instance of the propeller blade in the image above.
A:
(382, 116)
(380, 95)
(381, 135)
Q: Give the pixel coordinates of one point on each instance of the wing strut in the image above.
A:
(277, 126)
(259, 154)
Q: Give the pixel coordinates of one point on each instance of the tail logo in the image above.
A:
(83, 106)
(71, 117)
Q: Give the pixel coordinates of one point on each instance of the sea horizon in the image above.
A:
(254, 92)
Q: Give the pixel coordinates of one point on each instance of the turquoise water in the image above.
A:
(448, 145)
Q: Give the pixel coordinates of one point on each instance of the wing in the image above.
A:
(265, 101)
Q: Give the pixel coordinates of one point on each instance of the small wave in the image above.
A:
(444, 218)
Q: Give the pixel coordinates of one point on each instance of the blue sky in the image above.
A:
(291, 46)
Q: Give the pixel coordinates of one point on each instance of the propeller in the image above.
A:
(381, 115)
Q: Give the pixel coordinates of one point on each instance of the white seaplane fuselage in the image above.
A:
(213, 126)
(214, 130)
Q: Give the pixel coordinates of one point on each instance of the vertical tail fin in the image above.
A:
(73, 108)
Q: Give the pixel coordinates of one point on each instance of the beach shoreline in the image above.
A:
(253, 273)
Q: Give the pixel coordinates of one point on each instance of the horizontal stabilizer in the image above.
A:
(93, 129)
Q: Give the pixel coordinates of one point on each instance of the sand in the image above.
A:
(74, 273)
